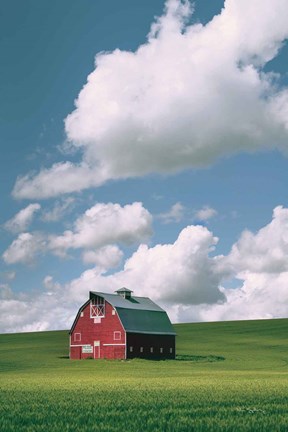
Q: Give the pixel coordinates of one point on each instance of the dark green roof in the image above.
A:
(143, 321)
(139, 314)
(137, 303)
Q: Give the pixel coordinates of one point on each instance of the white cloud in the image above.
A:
(100, 226)
(182, 277)
(22, 219)
(263, 252)
(105, 224)
(59, 209)
(175, 214)
(25, 248)
(5, 292)
(8, 275)
(205, 213)
(106, 257)
(260, 261)
(181, 272)
(189, 95)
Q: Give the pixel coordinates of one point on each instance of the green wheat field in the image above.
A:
(229, 376)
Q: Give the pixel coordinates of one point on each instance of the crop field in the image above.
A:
(230, 376)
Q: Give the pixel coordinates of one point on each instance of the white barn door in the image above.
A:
(96, 349)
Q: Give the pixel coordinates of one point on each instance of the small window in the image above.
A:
(113, 312)
(131, 348)
(97, 320)
(82, 314)
(171, 350)
(161, 350)
(77, 337)
(141, 349)
(151, 350)
(117, 335)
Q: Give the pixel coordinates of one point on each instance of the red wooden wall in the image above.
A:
(103, 332)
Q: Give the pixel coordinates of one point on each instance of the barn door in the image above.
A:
(96, 349)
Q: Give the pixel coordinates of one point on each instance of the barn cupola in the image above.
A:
(124, 292)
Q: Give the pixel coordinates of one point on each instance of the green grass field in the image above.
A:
(230, 376)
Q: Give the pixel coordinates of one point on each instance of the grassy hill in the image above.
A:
(229, 376)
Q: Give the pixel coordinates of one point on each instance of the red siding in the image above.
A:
(93, 332)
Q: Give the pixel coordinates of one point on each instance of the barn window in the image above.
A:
(97, 307)
(82, 314)
(113, 311)
(141, 349)
(161, 350)
(151, 350)
(171, 350)
(131, 348)
(77, 337)
(117, 335)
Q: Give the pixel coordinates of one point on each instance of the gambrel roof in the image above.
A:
(137, 314)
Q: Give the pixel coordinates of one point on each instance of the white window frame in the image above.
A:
(117, 335)
(77, 337)
(97, 307)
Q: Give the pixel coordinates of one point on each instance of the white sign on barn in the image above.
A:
(87, 349)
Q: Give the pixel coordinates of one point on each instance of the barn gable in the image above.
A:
(139, 314)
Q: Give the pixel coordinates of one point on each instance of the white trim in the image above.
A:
(123, 330)
(77, 345)
(118, 334)
(77, 339)
(113, 344)
(96, 344)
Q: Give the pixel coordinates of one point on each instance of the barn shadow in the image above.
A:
(199, 359)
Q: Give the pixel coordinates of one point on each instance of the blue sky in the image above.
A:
(179, 137)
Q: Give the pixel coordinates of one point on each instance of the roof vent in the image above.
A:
(124, 292)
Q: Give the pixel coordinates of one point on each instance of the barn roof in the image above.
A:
(136, 303)
(139, 314)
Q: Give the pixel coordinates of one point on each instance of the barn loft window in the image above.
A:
(117, 335)
(77, 337)
(97, 307)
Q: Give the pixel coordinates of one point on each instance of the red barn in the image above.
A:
(120, 326)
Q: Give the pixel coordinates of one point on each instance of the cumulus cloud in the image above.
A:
(181, 272)
(205, 213)
(175, 214)
(105, 224)
(187, 96)
(25, 248)
(185, 277)
(59, 209)
(22, 219)
(100, 226)
(266, 251)
(106, 257)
